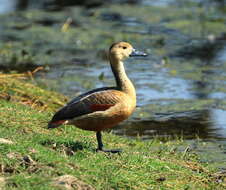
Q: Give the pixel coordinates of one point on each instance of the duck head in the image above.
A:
(122, 50)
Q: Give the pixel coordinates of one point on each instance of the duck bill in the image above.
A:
(136, 53)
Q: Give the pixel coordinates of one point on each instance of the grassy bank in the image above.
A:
(32, 157)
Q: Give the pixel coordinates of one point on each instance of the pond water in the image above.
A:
(6, 6)
(181, 85)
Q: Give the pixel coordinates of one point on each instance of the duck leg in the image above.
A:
(100, 144)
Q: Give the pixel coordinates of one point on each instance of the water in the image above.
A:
(7, 6)
(171, 103)
(177, 97)
(181, 86)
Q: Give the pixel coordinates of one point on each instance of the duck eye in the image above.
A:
(124, 47)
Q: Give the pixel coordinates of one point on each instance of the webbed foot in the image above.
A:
(100, 145)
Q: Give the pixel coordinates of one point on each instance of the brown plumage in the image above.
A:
(104, 107)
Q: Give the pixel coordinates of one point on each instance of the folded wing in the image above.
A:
(98, 100)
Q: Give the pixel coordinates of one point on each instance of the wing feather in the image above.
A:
(97, 100)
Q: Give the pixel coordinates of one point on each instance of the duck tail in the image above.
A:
(55, 124)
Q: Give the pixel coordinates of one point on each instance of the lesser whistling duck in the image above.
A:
(103, 108)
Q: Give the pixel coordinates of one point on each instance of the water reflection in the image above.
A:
(221, 55)
(157, 3)
(204, 124)
(219, 121)
(7, 6)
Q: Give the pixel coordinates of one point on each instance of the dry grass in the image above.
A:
(14, 87)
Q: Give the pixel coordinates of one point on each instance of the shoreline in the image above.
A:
(37, 158)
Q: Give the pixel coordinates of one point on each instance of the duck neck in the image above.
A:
(123, 82)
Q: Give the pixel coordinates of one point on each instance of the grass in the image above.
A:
(38, 156)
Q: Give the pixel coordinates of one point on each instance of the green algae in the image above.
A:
(39, 32)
